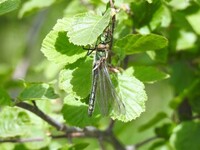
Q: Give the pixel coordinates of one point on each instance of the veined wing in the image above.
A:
(107, 98)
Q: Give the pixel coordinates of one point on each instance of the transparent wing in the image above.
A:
(107, 98)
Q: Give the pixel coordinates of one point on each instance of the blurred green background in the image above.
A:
(21, 37)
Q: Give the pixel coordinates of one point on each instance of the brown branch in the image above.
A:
(111, 125)
(89, 132)
(112, 29)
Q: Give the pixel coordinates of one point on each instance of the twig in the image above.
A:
(21, 140)
(145, 142)
(112, 30)
(111, 125)
(89, 132)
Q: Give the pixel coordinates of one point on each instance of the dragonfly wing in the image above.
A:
(106, 97)
(102, 94)
(114, 99)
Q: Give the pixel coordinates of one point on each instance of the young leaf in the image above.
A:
(186, 136)
(133, 96)
(136, 43)
(4, 98)
(77, 80)
(37, 91)
(75, 113)
(63, 24)
(86, 28)
(8, 5)
(149, 74)
(57, 48)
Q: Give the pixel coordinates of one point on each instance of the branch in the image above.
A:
(21, 140)
(42, 115)
(89, 132)
(111, 125)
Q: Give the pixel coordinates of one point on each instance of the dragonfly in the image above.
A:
(103, 91)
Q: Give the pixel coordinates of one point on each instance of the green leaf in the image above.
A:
(36, 132)
(159, 55)
(179, 4)
(186, 40)
(175, 102)
(57, 48)
(13, 122)
(72, 79)
(70, 11)
(165, 130)
(34, 5)
(4, 98)
(8, 5)
(37, 91)
(79, 146)
(63, 24)
(194, 21)
(75, 113)
(133, 96)
(149, 1)
(186, 136)
(135, 43)
(161, 144)
(149, 74)
(160, 116)
(86, 28)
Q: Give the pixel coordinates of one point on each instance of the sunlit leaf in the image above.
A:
(86, 28)
(133, 96)
(37, 91)
(8, 5)
(38, 132)
(194, 21)
(135, 43)
(13, 122)
(77, 79)
(63, 24)
(186, 40)
(179, 4)
(57, 48)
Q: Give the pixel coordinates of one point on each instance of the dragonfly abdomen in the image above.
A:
(93, 93)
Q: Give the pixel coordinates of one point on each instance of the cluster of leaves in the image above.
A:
(151, 38)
